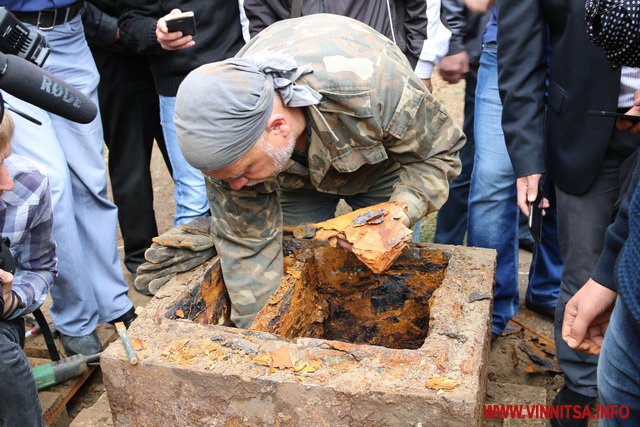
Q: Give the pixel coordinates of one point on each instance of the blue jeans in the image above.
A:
(545, 271)
(619, 367)
(19, 403)
(89, 288)
(493, 213)
(189, 185)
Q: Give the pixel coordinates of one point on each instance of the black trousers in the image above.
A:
(131, 122)
(582, 224)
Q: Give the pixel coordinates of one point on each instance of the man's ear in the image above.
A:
(278, 125)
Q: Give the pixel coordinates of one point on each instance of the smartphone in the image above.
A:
(535, 218)
(634, 119)
(185, 22)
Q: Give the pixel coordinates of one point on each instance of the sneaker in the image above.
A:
(127, 318)
(567, 396)
(85, 344)
(549, 312)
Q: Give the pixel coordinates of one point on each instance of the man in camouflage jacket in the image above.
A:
(365, 130)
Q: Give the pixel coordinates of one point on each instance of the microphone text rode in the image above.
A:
(39, 87)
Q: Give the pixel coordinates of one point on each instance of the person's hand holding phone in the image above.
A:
(527, 187)
(632, 127)
(535, 217)
(172, 40)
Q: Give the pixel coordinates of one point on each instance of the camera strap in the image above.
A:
(14, 304)
(7, 262)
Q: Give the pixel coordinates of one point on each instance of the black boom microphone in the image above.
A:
(39, 87)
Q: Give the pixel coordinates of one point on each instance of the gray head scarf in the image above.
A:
(222, 108)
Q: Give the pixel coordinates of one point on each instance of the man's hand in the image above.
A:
(454, 67)
(7, 281)
(427, 83)
(632, 127)
(7, 285)
(177, 250)
(175, 40)
(478, 6)
(527, 187)
(586, 317)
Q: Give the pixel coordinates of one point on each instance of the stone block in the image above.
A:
(336, 345)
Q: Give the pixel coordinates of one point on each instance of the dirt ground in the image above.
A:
(508, 380)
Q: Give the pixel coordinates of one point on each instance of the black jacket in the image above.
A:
(466, 28)
(100, 26)
(580, 79)
(409, 18)
(219, 36)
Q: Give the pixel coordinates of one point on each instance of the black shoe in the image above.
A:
(494, 337)
(567, 396)
(549, 312)
(85, 344)
(526, 244)
(126, 318)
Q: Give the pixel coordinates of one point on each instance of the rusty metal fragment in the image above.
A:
(442, 383)
(376, 233)
(477, 296)
(543, 362)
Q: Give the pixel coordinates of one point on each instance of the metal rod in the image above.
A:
(122, 332)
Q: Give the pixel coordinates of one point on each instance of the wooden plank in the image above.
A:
(48, 399)
(54, 400)
(38, 353)
(59, 406)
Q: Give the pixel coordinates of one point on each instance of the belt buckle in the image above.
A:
(53, 21)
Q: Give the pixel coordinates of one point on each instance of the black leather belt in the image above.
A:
(48, 18)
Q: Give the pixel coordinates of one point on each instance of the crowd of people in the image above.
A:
(278, 109)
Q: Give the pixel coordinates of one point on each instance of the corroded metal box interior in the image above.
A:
(328, 293)
(335, 345)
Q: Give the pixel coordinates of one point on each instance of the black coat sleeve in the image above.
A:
(101, 26)
(522, 73)
(454, 11)
(137, 22)
(414, 20)
(262, 13)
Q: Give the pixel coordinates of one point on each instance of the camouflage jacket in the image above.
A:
(374, 115)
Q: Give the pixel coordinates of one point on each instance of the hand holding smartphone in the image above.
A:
(184, 22)
(535, 218)
(616, 115)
